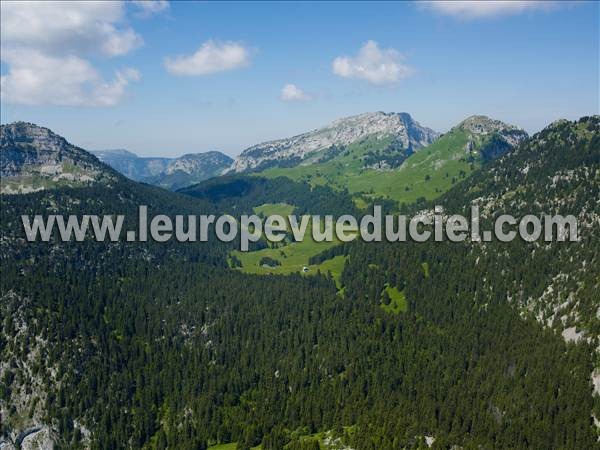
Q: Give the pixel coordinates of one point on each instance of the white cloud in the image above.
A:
(292, 93)
(150, 7)
(68, 27)
(119, 43)
(488, 8)
(211, 57)
(109, 94)
(38, 79)
(44, 45)
(373, 64)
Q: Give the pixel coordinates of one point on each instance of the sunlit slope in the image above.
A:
(377, 167)
(426, 173)
(288, 256)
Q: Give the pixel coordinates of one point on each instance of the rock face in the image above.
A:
(342, 132)
(170, 173)
(41, 439)
(500, 137)
(484, 125)
(23, 411)
(34, 158)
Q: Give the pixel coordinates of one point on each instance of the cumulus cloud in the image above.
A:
(292, 93)
(211, 57)
(484, 9)
(377, 66)
(44, 45)
(150, 7)
(39, 79)
(68, 27)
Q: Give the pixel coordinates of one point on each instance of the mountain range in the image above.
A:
(169, 173)
(378, 154)
(379, 346)
(388, 155)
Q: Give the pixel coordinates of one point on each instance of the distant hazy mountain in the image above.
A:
(325, 143)
(170, 173)
(33, 158)
(131, 165)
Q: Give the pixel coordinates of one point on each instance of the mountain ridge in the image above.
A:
(339, 133)
(169, 173)
(34, 158)
(385, 167)
(363, 153)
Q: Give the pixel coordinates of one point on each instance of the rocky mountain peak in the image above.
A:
(482, 125)
(500, 136)
(338, 133)
(34, 158)
(32, 135)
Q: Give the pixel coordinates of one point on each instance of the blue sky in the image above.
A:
(104, 81)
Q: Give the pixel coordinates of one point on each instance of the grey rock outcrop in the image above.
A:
(34, 158)
(339, 133)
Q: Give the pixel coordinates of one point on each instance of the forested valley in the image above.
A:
(155, 346)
